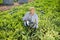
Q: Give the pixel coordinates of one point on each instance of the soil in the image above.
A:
(7, 7)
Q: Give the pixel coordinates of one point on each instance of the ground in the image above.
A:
(7, 7)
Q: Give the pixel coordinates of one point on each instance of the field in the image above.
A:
(48, 11)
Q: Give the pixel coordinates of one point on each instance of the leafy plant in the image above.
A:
(12, 28)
